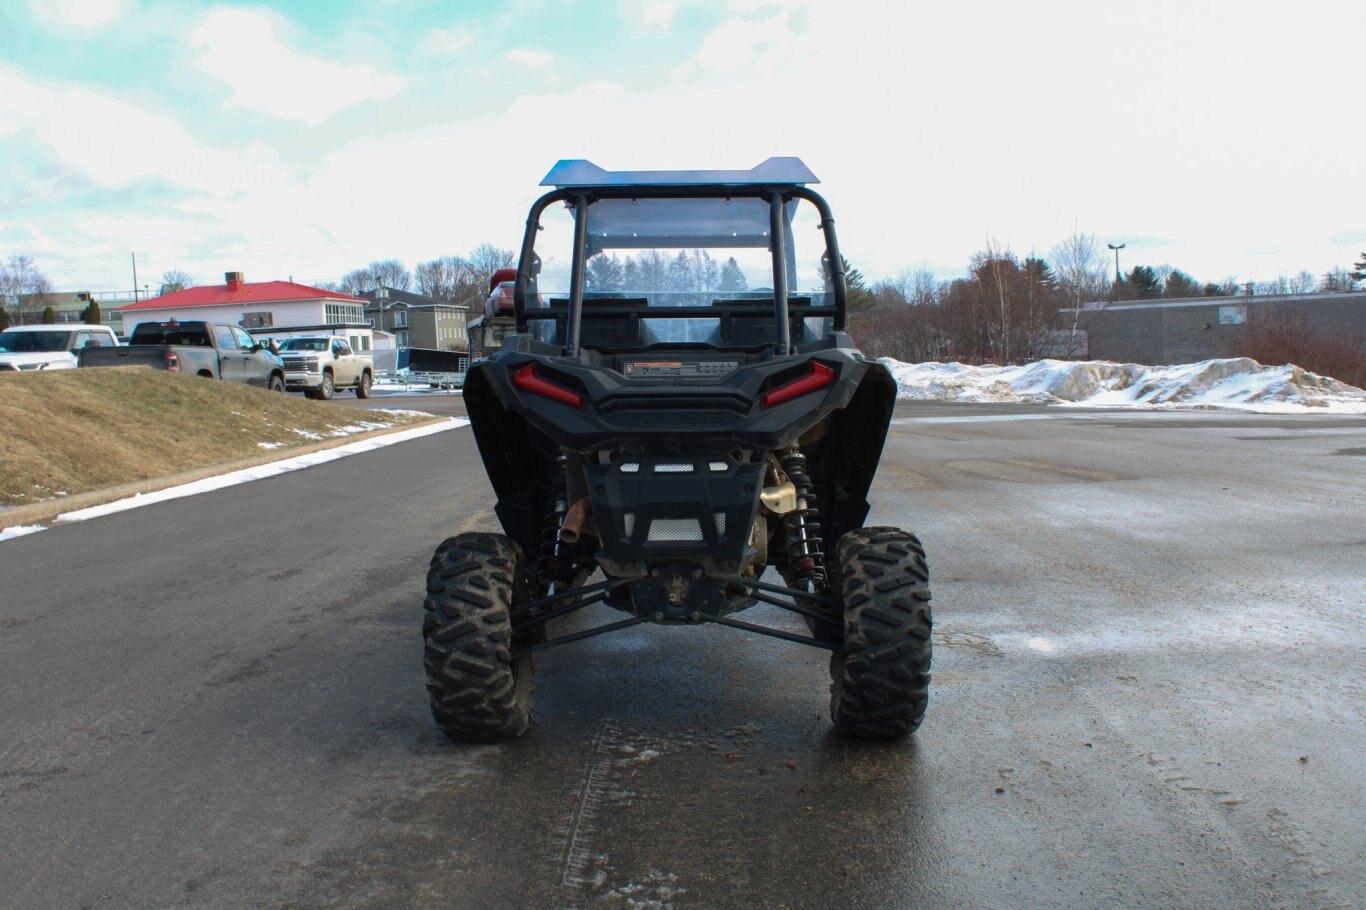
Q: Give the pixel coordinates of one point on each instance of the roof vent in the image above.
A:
(233, 280)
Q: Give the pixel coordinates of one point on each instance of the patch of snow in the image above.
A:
(260, 472)
(271, 445)
(19, 531)
(351, 429)
(1237, 383)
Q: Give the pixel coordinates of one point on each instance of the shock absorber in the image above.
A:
(802, 525)
(551, 564)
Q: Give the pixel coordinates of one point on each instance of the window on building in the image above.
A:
(344, 313)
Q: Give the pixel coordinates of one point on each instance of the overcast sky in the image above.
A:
(306, 139)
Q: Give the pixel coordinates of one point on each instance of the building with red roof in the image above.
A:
(280, 305)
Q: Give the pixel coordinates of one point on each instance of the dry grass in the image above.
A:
(1282, 337)
(72, 431)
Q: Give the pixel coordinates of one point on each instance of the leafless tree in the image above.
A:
(390, 273)
(1080, 269)
(1303, 283)
(991, 267)
(175, 280)
(447, 278)
(357, 282)
(24, 290)
(485, 259)
(1337, 279)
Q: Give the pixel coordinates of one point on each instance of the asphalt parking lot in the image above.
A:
(1148, 692)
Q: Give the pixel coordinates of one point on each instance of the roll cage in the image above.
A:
(778, 181)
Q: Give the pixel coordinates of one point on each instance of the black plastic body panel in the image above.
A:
(521, 433)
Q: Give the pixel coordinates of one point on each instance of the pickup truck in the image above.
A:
(318, 365)
(50, 347)
(202, 348)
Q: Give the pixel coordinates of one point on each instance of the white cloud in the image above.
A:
(240, 48)
(78, 13)
(657, 13)
(742, 44)
(529, 56)
(71, 122)
(930, 129)
(446, 40)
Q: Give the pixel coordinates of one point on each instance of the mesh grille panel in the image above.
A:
(675, 529)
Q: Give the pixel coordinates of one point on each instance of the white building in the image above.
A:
(283, 306)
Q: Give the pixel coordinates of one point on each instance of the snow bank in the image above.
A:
(1237, 383)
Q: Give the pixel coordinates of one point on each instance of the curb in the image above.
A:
(34, 513)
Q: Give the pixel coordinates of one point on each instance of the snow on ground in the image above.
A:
(1237, 383)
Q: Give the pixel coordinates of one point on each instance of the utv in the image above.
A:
(678, 408)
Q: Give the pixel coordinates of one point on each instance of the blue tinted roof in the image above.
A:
(578, 172)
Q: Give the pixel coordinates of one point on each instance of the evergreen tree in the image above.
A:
(1359, 270)
(91, 316)
(4, 318)
(681, 273)
(1179, 284)
(652, 272)
(604, 273)
(706, 273)
(49, 315)
(1145, 283)
(732, 277)
(858, 297)
(1038, 272)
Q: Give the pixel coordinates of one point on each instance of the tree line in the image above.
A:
(453, 278)
(1012, 309)
(1004, 309)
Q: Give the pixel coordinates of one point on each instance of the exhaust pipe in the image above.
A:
(571, 529)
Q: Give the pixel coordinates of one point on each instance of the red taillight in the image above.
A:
(172, 362)
(526, 379)
(819, 377)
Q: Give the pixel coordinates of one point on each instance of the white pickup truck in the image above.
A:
(50, 347)
(318, 365)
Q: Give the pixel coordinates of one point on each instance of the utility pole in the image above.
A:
(135, 276)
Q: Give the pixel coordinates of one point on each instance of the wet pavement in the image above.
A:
(1147, 693)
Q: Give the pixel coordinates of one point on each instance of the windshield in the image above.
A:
(653, 253)
(32, 342)
(304, 344)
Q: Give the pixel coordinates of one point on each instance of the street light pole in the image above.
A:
(1116, 249)
(1114, 288)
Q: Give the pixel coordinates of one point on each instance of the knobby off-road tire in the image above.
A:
(479, 692)
(880, 682)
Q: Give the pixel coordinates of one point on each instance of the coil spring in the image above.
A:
(802, 526)
(551, 565)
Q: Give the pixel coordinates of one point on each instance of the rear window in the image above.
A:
(191, 335)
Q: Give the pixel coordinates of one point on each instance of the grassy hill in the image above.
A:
(66, 432)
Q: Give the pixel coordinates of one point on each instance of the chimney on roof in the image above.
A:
(233, 280)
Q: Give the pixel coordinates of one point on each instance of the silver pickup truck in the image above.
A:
(318, 365)
(210, 349)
